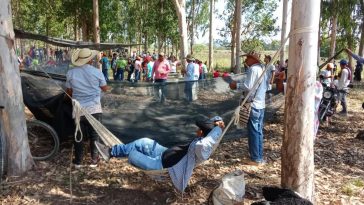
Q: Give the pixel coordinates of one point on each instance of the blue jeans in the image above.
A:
(106, 74)
(255, 132)
(188, 90)
(120, 74)
(160, 84)
(144, 153)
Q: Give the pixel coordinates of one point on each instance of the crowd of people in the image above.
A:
(47, 56)
(140, 67)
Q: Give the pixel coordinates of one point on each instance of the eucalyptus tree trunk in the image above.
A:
(96, 30)
(12, 119)
(238, 36)
(284, 30)
(361, 46)
(192, 31)
(233, 38)
(333, 34)
(182, 27)
(96, 21)
(211, 36)
(297, 172)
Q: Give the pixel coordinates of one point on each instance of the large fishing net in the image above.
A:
(135, 110)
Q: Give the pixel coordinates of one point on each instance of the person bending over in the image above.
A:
(180, 160)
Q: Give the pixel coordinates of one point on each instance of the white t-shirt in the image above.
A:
(138, 65)
(326, 74)
(173, 66)
(197, 71)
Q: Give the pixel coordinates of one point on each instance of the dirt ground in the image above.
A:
(339, 171)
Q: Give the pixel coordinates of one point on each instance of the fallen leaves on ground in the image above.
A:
(339, 171)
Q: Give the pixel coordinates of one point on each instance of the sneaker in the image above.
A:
(77, 164)
(94, 163)
(103, 150)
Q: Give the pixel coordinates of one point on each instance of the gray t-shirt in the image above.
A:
(85, 82)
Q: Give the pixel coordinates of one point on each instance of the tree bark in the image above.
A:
(192, 31)
(333, 31)
(361, 46)
(96, 21)
(284, 30)
(12, 119)
(211, 36)
(297, 149)
(233, 38)
(182, 27)
(238, 36)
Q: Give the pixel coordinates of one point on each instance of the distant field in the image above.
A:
(221, 58)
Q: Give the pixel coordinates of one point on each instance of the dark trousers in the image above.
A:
(90, 134)
(120, 74)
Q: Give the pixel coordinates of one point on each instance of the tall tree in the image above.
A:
(211, 36)
(180, 6)
(96, 26)
(258, 21)
(12, 118)
(284, 29)
(297, 170)
(238, 35)
(361, 45)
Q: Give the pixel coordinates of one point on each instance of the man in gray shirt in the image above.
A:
(85, 83)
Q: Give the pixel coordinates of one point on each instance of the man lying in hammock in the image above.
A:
(180, 160)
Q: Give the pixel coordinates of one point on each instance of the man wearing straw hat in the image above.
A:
(257, 99)
(84, 83)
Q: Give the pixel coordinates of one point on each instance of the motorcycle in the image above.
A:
(328, 102)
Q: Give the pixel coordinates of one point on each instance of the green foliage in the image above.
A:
(258, 21)
(252, 45)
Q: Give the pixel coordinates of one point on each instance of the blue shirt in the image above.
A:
(199, 150)
(85, 82)
(190, 72)
(104, 62)
(358, 58)
(254, 72)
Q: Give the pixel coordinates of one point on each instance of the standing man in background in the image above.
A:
(105, 65)
(160, 71)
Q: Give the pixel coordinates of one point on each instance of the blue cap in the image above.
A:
(343, 62)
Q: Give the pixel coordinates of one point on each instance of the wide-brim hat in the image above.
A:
(190, 57)
(253, 55)
(82, 56)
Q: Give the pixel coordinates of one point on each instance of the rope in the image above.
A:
(235, 118)
(77, 112)
(106, 136)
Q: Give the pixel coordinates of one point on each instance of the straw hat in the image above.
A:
(82, 56)
(253, 55)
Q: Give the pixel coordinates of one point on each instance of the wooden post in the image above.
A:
(297, 149)
(284, 30)
(12, 119)
(211, 36)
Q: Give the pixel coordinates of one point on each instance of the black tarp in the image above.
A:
(132, 110)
